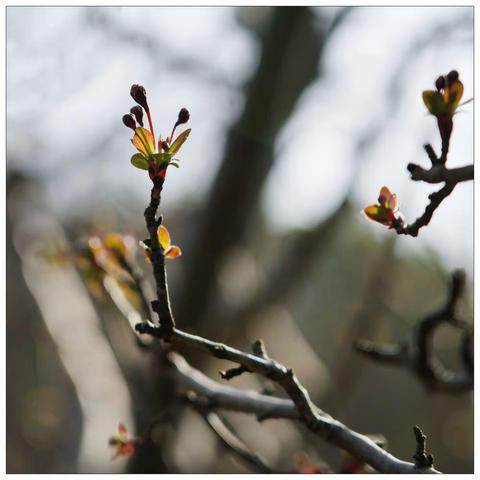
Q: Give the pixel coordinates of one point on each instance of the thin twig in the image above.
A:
(162, 305)
(233, 443)
(436, 199)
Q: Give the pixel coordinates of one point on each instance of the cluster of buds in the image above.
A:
(443, 102)
(386, 212)
(446, 98)
(153, 157)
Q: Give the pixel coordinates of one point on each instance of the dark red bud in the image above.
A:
(165, 145)
(452, 76)
(139, 94)
(129, 121)
(138, 113)
(183, 116)
(440, 83)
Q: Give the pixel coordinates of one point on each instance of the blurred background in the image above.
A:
(299, 116)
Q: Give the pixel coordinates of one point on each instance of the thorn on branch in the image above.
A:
(421, 457)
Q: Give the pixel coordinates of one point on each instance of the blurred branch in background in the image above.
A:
(419, 356)
(290, 52)
(107, 23)
(367, 318)
(232, 442)
(81, 345)
(43, 413)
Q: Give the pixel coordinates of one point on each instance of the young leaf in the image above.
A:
(139, 161)
(143, 141)
(161, 158)
(180, 140)
(173, 252)
(435, 102)
(163, 237)
(453, 95)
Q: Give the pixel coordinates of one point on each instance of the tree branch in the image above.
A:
(440, 173)
(233, 443)
(436, 198)
(162, 305)
(311, 416)
(420, 358)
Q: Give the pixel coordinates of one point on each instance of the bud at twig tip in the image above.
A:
(183, 116)
(129, 121)
(452, 76)
(138, 113)
(139, 94)
(440, 83)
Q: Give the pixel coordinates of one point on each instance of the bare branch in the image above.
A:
(216, 395)
(440, 173)
(436, 199)
(232, 442)
(311, 416)
(420, 357)
(162, 305)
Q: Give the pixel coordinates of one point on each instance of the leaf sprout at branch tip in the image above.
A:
(153, 157)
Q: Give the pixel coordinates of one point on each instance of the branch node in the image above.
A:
(259, 349)
(233, 372)
(422, 459)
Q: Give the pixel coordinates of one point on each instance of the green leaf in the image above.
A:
(162, 158)
(139, 161)
(180, 140)
(173, 164)
(435, 102)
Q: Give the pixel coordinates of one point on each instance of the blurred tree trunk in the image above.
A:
(43, 415)
(289, 57)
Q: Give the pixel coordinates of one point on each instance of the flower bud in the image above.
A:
(183, 116)
(440, 83)
(165, 145)
(139, 94)
(138, 113)
(129, 121)
(452, 76)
